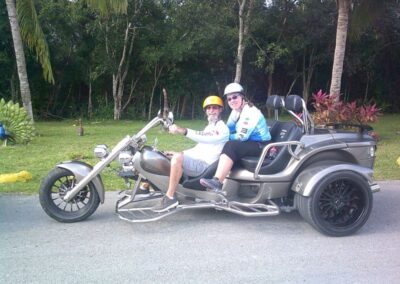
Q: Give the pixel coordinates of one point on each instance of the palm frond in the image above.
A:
(33, 35)
(107, 7)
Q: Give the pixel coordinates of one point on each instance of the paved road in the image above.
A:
(195, 247)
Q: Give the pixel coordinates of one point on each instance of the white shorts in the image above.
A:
(193, 167)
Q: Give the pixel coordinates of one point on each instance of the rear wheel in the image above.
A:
(339, 205)
(55, 186)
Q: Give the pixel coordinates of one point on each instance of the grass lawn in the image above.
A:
(58, 141)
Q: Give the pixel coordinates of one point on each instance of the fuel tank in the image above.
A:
(154, 161)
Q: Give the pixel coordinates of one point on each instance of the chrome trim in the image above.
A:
(277, 144)
(146, 214)
(105, 162)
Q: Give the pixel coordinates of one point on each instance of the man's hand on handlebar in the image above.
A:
(175, 129)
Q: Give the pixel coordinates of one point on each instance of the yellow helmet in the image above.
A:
(213, 100)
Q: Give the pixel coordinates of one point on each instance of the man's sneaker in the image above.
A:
(212, 184)
(166, 204)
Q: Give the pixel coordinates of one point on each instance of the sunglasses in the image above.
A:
(234, 97)
(212, 107)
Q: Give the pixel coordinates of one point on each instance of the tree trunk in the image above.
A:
(20, 58)
(118, 91)
(340, 46)
(183, 109)
(132, 88)
(120, 75)
(307, 74)
(366, 89)
(270, 82)
(123, 67)
(14, 85)
(90, 104)
(193, 107)
(243, 32)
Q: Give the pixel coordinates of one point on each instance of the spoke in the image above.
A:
(58, 205)
(326, 199)
(76, 203)
(328, 194)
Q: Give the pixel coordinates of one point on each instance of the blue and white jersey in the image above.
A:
(249, 124)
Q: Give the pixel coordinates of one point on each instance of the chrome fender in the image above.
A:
(305, 182)
(80, 170)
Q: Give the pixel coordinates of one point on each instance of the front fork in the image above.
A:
(103, 163)
(97, 169)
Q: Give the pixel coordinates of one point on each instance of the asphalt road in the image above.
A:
(199, 246)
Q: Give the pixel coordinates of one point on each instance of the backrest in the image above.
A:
(276, 103)
(294, 103)
(284, 131)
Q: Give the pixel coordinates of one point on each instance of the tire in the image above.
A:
(339, 205)
(58, 182)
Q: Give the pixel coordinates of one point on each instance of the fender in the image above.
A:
(305, 182)
(80, 170)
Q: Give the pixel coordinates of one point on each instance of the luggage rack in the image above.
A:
(140, 210)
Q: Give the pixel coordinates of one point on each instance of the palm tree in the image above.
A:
(20, 58)
(366, 12)
(25, 26)
(340, 46)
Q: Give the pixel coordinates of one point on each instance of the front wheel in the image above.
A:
(339, 205)
(54, 187)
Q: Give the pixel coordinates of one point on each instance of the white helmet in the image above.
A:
(233, 88)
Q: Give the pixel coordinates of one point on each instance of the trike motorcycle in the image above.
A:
(326, 173)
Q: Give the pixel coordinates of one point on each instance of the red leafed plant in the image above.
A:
(331, 109)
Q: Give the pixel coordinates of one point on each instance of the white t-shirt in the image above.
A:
(210, 142)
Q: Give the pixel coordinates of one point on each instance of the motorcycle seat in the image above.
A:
(280, 132)
(194, 182)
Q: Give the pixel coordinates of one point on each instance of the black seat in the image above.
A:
(280, 132)
(283, 131)
(194, 182)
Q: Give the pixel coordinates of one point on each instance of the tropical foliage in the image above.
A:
(331, 109)
(114, 65)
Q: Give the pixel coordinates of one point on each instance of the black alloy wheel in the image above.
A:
(339, 205)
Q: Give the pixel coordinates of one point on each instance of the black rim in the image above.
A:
(341, 203)
(60, 188)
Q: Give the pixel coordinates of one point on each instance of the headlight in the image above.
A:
(101, 151)
(125, 157)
